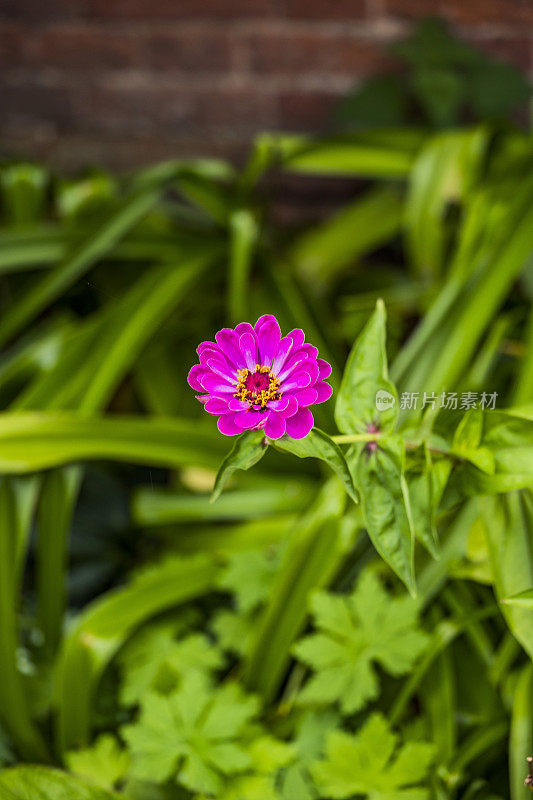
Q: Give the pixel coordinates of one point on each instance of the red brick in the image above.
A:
(238, 111)
(34, 11)
(198, 50)
(82, 48)
(306, 111)
(519, 12)
(324, 9)
(28, 105)
(138, 110)
(180, 9)
(303, 53)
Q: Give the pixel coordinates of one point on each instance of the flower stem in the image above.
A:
(356, 437)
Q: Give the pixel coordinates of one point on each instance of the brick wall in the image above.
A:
(132, 81)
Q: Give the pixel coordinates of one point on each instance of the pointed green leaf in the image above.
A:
(318, 444)
(384, 494)
(249, 448)
(366, 395)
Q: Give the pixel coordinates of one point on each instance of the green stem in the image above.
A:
(356, 437)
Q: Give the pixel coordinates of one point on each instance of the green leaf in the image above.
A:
(508, 437)
(156, 660)
(365, 384)
(267, 756)
(325, 252)
(371, 764)
(23, 188)
(371, 154)
(385, 502)
(17, 498)
(314, 553)
(104, 764)
(509, 528)
(42, 783)
(33, 441)
(104, 626)
(308, 743)
(424, 496)
(318, 444)
(248, 449)
(521, 599)
(521, 736)
(249, 576)
(48, 288)
(355, 631)
(244, 231)
(193, 734)
(162, 507)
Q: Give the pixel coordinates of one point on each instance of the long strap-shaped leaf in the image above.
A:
(15, 525)
(30, 442)
(49, 287)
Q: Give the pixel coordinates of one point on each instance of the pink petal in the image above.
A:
(300, 424)
(287, 406)
(228, 342)
(195, 373)
(226, 425)
(244, 327)
(324, 369)
(264, 318)
(284, 349)
(291, 363)
(222, 368)
(251, 419)
(324, 391)
(310, 350)
(275, 425)
(215, 405)
(268, 338)
(206, 346)
(248, 345)
(300, 379)
(238, 405)
(215, 385)
(210, 352)
(298, 337)
(306, 397)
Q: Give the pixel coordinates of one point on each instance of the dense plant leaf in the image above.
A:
(192, 734)
(370, 765)
(156, 660)
(105, 625)
(42, 783)
(366, 396)
(105, 763)
(355, 631)
(249, 576)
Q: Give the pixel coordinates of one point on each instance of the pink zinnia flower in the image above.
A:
(255, 379)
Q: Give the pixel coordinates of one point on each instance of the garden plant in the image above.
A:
(329, 593)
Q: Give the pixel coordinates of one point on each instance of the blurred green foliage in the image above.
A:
(443, 82)
(158, 646)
